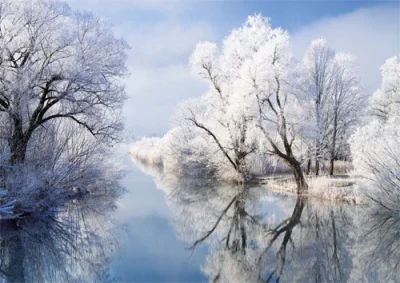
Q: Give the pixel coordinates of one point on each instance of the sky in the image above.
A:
(163, 33)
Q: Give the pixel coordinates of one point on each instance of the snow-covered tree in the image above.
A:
(221, 114)
(268, 75)
(346, 105)
(75, 165)
(61, 94)
(262, 102)
(330, 83)
(375, 147)
(316, 83)
(247, 107)
(384, 103)
(57, 64)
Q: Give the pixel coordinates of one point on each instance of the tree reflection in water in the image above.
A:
(251, 242)
(255, 235)
(284, 229)
(380, 246)
(74, 244)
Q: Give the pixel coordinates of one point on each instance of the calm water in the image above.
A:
(166, 229)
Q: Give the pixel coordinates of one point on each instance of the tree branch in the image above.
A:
(215, 139)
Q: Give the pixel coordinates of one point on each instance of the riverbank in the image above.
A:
(341, 188)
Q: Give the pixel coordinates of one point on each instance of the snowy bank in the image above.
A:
(342, 188)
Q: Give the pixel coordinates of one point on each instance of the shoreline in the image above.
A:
(337, 188)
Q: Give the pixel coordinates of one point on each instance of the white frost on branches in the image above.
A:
(376, 146)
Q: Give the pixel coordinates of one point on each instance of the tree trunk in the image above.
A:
(318, 117)
(332, 165)
(333, 149)
(316, 166)
(15, 268)
(18, 147)
(241, 169)
(19, 142)
(299, 177)
(309, 166)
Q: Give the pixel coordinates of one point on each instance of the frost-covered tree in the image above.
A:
(75, 165)
(330, 83)
(345, 105)
(384, 103)
(57, 64)
(316, 83)
(267, 72)
(262, 102)
(375, 147)
(221, 114)
(247, 106)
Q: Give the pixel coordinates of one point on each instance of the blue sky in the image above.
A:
(289, 15)
(163, 33)
(224, 14)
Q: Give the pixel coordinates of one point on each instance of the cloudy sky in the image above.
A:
(163, 33)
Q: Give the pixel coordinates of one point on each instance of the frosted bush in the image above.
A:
(376, 146)
(148, 150)
(75, 166)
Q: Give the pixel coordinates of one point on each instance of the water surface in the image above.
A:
(171, 229)
(230, 233)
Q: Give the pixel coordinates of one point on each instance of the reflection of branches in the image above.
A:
(383, 234)
(238, 223)
(69, 246)
(286, 228)
(335, 255)
(327, 231)
(215, 225)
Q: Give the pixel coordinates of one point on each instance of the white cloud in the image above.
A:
(167, 6)
(372, 34)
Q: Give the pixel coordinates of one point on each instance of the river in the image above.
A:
(189, 230)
